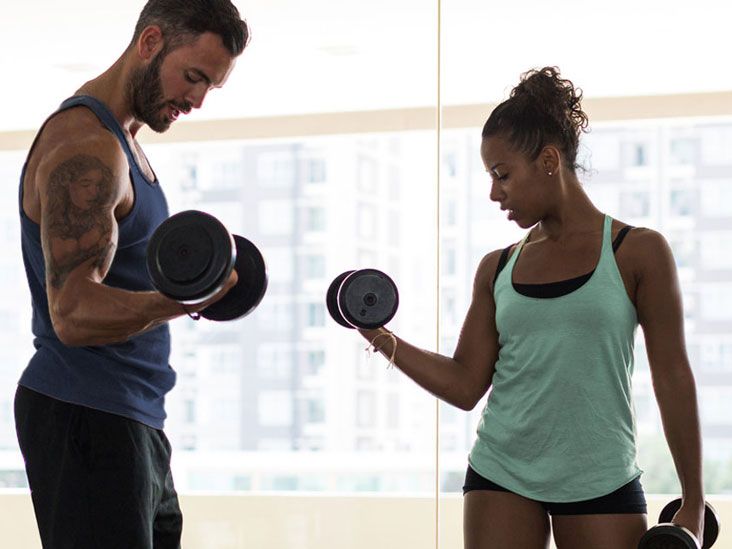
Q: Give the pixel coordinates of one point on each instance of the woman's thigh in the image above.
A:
(503, 520)
(612, 531)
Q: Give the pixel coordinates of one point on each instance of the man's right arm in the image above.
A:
(80, 187)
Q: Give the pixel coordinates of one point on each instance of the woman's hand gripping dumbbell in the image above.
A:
(191, 258)
(667, 535)
(366, 300)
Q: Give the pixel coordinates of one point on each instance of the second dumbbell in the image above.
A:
(667, 535)
(364, 298)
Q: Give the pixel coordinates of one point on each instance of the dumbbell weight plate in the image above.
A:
(668, 536)
(368, 298)
(331, 299)
(250, 288)
(190, 256)
(711, 520)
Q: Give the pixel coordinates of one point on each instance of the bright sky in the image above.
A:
(342, 55)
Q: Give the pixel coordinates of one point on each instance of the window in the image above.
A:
(366, 221)
(314, 266)
(228, 174)
(367, 181)
(638, 154)
(316, 315)
(716, 144)
(634, 204)
(683, 151)
(365, 409)
(716, 198)
(275, 169)
(275, 217)
(314, 169)
(315, 361)
(274, 408)
(682, 202)
(315, 219)
(715, 250)
(716, 302)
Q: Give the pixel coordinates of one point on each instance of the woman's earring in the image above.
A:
(548, 173)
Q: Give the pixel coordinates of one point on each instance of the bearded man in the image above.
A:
(89, 407)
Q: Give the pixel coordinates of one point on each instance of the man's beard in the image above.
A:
(146, 93)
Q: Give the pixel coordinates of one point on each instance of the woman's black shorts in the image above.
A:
(626, 499)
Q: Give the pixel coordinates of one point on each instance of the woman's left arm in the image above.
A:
(661, 315)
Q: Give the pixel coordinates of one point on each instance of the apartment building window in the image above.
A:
(715, 406)
(682, 202)
(715, 250)
(366, 221)
(449, 163)
(274, 361)
(716, 302)
(314, 266)
(450, 212)
(600, 151)
(683, 151)
(228, 174)
(367, 175)
(394, 236)
(314, 361)
(392, 411)
(280, 264)
(314, 409)
(314, 170)
(274, 408)
(275, 169)
(449, 259)
(189, 179)
(716, 356)
(394, 183)
(635, 204)
(716, 198)
(275, 217)
(637, 154)
(273, 315)
(315, 219)
(365, 409)
(315, 315)
(716, 144)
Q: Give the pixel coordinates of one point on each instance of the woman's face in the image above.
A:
(516, 182)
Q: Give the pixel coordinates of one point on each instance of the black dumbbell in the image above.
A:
(366, 298)
(191, 255)
(667, 535)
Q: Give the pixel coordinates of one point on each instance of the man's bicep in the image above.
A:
(79, 193)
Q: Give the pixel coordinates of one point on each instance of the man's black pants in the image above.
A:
(97, 480)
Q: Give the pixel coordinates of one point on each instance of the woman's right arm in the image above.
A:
(463, 379)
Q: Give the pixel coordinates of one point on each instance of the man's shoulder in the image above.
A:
(77, 125)
(77, 132)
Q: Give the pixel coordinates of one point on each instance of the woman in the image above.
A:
(550, 331)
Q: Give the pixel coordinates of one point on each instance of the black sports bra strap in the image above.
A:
(622, 233)
(502, 262)
(620, 237)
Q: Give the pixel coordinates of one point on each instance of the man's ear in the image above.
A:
(150, 42)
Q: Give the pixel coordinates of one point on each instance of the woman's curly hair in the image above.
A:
(542, 109)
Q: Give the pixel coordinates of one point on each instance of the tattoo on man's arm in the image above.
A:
(78, 222)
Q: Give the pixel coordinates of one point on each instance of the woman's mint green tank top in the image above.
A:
(559, 424)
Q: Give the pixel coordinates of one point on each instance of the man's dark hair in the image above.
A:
(182, 21)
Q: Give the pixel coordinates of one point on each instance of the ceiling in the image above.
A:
(343, 55)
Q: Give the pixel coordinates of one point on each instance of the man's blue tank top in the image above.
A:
(129, 379)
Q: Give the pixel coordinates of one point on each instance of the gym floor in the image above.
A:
(310, 521)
